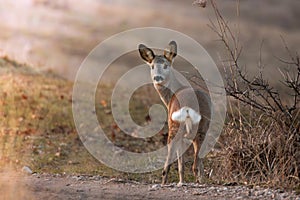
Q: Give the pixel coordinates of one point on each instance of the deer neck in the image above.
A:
(166, 91)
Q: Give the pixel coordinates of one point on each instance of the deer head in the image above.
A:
(160, 64)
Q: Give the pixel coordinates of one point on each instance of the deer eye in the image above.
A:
(152, 67)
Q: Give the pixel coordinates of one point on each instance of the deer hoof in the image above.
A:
(180, 184)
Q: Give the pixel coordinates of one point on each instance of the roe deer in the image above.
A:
(181, 111)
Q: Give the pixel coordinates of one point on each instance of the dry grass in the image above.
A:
(258, 150)
(33, 106)
(37, 130)
(261, 140)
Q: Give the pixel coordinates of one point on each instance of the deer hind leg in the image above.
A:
(180, 163)
(198, 167)
(165, 173)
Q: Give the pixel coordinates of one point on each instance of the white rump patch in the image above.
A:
(185, 113)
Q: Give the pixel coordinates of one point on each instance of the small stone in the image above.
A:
(212, 188)
(274, 196)
(36, 175)
(280, 191)
(259, 193)
(78, 178)
(27, 170)
(200, 3)
(180, 184)
(268, 192)
(284, 195)
(201, 192)
(154, 187)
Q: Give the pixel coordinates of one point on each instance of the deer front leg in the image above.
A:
(167, 163)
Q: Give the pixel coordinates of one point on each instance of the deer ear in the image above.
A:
(171, 51)
(146, 53)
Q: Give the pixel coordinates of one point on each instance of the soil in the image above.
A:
(46, 186)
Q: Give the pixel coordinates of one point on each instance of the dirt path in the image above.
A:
(45, 187)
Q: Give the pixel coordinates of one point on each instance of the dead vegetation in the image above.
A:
(37, 128)
(261, 139)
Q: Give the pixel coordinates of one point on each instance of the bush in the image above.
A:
(261, 140)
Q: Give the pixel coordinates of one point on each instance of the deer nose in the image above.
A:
(158, 78)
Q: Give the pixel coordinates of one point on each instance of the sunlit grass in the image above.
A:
(37, 128)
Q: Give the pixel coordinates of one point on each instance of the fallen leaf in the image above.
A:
(24, 97)
(103, 103)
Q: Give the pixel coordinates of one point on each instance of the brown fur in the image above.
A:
(182, 97)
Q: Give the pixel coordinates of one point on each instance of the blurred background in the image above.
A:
(59, 34)
(37, 129)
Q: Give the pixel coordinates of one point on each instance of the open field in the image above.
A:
(254, 153)
(37, 131)
(38, 124)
